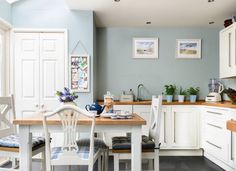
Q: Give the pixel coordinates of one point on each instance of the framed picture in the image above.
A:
(80, 75)
(145, 48)
(188, 48)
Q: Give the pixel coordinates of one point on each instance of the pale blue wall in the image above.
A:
(5, 11)
(117, 70)
(55, 14)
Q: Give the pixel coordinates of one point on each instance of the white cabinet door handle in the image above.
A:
(36, 105)
(42, 105)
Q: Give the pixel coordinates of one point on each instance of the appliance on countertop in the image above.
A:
(215, 90)
(127, 97)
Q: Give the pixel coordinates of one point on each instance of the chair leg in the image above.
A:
(90, 167)
(69, 168)
(43, 164)
(156, 162)
(150, 164)
(99, 163)
(14, 163)
(116, 162)
(106, 159)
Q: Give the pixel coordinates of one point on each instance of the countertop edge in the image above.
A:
(224, 104)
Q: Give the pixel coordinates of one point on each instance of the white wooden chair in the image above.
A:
(9, 141)
(73, 151)
(150, 144)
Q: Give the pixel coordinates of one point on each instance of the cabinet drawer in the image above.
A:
(215, 139)
(215, 112)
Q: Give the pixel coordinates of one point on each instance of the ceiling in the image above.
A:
(161, 13)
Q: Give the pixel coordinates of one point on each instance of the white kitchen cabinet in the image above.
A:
(232, 140)
(165, 127)
(216, 139)
(144, 112)
(184, 128)
(39, 71)
(228, 52)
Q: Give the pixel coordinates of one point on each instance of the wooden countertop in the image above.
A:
(231, 125)
(83, 120)
(226, 104)
(148, 102)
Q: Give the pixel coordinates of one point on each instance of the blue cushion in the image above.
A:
(98, 143)
(13, 141)
(82, 152)
(124, 143)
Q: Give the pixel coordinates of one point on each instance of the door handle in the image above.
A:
(36, 105)
(42, 105)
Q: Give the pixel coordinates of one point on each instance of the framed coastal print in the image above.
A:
(145, 48)
(188, 48)
(80, 73)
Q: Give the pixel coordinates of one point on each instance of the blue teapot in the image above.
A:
(95, 107)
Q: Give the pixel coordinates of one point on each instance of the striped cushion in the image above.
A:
(124, 143)
(13, 141)
(83, 152)
(98, 143)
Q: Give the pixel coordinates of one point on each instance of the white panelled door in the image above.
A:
(26, 74)
(39, 71)
(52, 66)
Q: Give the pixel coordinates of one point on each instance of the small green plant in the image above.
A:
(170, 89)
(193, 91)
(182, 92)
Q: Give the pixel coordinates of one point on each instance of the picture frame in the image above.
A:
(145, 48)
(80, 72)
(188, 48)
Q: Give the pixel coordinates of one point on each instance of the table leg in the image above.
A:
(136, 161)
(25, 148)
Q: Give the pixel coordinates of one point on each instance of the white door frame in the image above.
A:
(11, 64)
(4, 70)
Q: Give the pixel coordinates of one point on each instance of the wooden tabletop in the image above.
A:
(231, 125)
(83, 120)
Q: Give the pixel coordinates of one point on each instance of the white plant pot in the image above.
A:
(180, 98)
(169, 98)
(193, 98)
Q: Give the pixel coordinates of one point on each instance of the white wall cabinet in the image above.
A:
(228, 52)
(39, 71)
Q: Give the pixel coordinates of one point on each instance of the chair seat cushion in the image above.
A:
(13, 141)
(83, 148)
(98, 143)
(82, 152)
(124, 143)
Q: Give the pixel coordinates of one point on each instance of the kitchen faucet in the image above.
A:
(138, 93)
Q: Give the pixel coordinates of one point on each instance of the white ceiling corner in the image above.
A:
(162, 13)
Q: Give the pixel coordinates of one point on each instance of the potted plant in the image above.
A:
(182, 94)
(169, 92)
(66, 96)
(193, 92)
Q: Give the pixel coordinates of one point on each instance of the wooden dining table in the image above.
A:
(30, 125)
